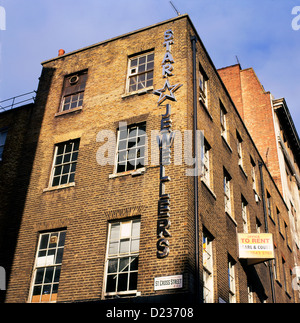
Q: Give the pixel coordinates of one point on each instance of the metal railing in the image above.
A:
(17, 101)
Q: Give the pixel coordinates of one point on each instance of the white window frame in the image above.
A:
(244, 215)
(137, 138)
(250, 293)
(205, 162)
(223, 120)
(134, 72)
(114, 253)
(208, 277)
(269, 206)
(231, 282)
(227, 192)
(48, 258)
(240, 149)
(203, 82)
(65, 164)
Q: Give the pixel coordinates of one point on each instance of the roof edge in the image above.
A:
(115, 38)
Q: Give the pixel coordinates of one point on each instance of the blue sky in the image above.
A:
(259, 32)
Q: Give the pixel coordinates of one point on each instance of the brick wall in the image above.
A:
(97, 198)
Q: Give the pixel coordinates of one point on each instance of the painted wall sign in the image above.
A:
(170, 282)
(256, 247)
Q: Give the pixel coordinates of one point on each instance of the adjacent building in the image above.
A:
(273, 131)
(142, 182)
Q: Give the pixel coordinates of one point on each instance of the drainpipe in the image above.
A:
(195, 145)
(260, 165)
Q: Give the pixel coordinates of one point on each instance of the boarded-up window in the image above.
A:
(73, 91)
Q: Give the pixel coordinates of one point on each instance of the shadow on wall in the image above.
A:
(24, 124)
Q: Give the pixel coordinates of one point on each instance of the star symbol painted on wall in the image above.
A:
(162, 92)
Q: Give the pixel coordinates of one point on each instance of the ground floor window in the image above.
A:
(122, 258)
(47, 267)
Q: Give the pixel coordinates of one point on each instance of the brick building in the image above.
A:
(273, 131)
(106, 217)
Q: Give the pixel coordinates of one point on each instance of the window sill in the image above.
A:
(232, 219)
(205, 108)
(133, 173)
(272, 220)
(209, 189)
(140, 92)
(122, 294)
(55, 188)
(242, 170)
(62, 113)
(226, 143)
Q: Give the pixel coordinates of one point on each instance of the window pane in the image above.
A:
(126, 229)
(72, 178)
(121, 167)
(57, 274)
(150, 76)
(133, 281)
(67, 158)
(76, 145)
(142, 60)
(44, 241)
(122, 156)
(134, 263)
(115, 232)
(54, 290)
(112, 266)
(39, 276)
(124, 264)
(136, 225)
(68, 147)
(74, 156)
(49, 275)
(58, 170)
(58, 160)
(111, 283)
(64, 180)
(150, 57)
(141, 141)
(131, 165)
(135, 245)
(55, 181)
(132, 154)
(59, 256)
(150, 66)
(66, 169)
(113, 248)
(122, 282)
(73, 167)
(124, 246)
(134, 62)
